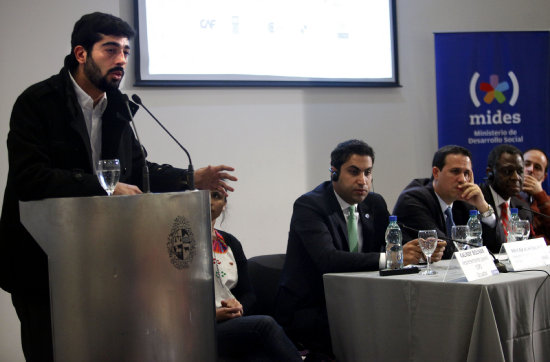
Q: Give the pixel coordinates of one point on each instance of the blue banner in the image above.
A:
(493, 88)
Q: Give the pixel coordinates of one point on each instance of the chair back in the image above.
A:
(265, 272)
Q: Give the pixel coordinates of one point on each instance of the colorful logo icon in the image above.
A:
(495, 89)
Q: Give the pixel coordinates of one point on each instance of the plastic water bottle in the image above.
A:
(475, 229)
(511, 225)
(394, 247)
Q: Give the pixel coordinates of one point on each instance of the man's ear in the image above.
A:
(80, 54)
(490, 174)
(435, 172)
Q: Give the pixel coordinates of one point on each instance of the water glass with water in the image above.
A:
(108, 173)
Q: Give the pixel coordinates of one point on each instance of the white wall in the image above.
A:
(279, 140)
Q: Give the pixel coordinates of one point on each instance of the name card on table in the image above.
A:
(476, 263)
(527, 254)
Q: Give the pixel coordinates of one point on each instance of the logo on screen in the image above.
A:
(495, 89)
(181, 243)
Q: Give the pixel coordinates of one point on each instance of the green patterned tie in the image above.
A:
(353, 238)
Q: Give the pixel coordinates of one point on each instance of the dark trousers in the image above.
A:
(254, 338)
(310, 328)
(33, 310)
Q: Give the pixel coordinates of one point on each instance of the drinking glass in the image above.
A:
(108, 173)
(460, 233)
(428, 242)
(521, 230)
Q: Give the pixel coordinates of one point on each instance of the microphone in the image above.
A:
(146, 186)
(190, 170)
(500, 267)
(532, 211)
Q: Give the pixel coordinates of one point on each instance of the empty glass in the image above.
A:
(460, 233)
(108, 173)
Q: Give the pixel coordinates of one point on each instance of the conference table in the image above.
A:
(424, 318)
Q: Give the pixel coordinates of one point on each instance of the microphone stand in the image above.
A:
(145, 169)
(532, 211)
(190, 170)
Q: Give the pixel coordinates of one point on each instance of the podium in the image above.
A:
(130, 276)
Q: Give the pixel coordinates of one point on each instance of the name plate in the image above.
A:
(476, 263)
(527, 254)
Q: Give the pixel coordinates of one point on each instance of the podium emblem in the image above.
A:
(181, 243)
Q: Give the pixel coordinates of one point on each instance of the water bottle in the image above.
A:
(512, 225)
(394, 248)
(475, 229)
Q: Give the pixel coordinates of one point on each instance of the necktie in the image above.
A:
(449, 222)
(504, 217)
(353, 238)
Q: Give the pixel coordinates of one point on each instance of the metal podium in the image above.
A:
(130, 276)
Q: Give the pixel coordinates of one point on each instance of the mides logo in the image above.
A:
(495, 90)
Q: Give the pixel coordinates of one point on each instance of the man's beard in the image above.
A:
(101, 82)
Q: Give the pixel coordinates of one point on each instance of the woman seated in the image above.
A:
(241, 336)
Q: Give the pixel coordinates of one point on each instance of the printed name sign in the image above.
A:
(476, 263)
(527, 254)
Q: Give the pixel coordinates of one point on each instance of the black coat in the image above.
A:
(50, 156)
(418, 208)
(318, 244)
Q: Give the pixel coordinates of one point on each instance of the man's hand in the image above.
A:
(126, 189)
(231, 308)
(531, 185)
(472, 194)
(439, 249)
(213, 178)
(412, 252)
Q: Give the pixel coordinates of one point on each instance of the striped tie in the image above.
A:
(504, 217)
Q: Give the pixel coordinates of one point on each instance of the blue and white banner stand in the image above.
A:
(493, 88)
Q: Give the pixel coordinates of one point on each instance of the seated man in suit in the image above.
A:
(445, 199)
(329, 235)
(504, 183)
(536, 171)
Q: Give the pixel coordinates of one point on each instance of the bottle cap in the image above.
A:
(393, 218)
(513, 210)
(473, 212)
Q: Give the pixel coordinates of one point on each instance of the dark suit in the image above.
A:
(497, 236)
(49, 156)
(418, 207)
(317, 244)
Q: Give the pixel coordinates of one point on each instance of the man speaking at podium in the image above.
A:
(59, 129)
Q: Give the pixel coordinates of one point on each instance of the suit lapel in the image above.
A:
(437, 210)
(338, 219)
(77, 121)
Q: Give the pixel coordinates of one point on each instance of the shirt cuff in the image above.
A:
(490, 220)
(382, 261)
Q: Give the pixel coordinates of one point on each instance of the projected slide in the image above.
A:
(266, 40)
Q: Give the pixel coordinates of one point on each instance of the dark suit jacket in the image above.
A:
(317, 244)
(49, 156)
(418, 207)
(497, 237)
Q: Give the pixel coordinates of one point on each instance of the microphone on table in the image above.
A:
(532, 211)
(190, 170)
(500, 267)
(145, 172)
